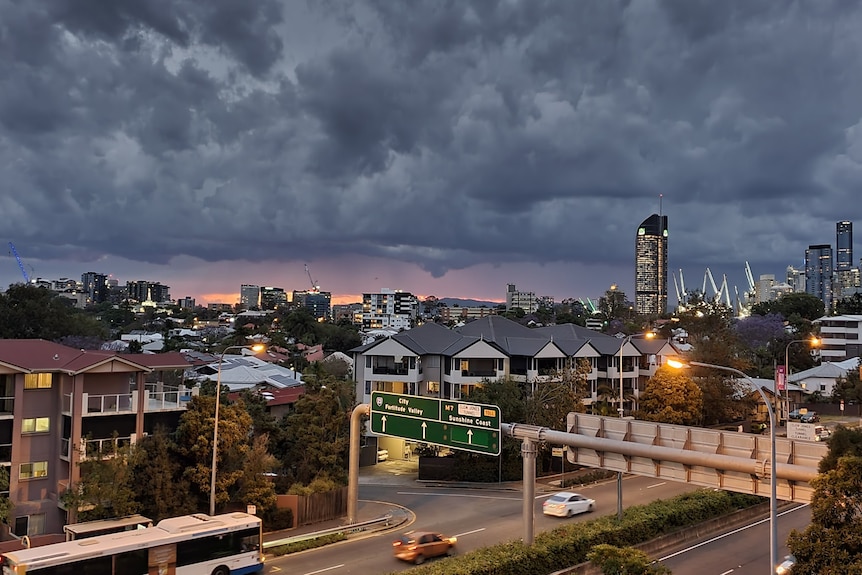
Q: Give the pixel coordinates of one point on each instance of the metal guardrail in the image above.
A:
(351, 528)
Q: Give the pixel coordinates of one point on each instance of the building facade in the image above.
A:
(272, 298)
(651, 266)
(434, 361)
(249, 296)
(818, 273)
(394, 309)
(95, 287)
(319, 303)
(526, 300)
(62, 405)
(842, 337)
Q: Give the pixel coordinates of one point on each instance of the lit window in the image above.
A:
(33, 470)
(36, 425)
(37, 381)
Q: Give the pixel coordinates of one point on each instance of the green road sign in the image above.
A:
(454, 424)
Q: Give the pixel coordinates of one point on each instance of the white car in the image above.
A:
(566, 504)
(786, 566)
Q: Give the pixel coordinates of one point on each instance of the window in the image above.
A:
(33, 470)
(37, 381)
(367, 387)
(36, 425)
(30, 525)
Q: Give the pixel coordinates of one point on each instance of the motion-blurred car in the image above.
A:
(786, 566)
(418, 546)
(810, 417)
(565, 504)
(821, 433)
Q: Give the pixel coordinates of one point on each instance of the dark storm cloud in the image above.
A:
(442, 133)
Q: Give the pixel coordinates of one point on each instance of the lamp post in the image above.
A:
(813, 342)
(256, 347)
(773, 498)
(621, 411)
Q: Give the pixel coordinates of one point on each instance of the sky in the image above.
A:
(444, 148)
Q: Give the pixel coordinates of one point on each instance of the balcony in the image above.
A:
(5, 453)
(172, 399)
(389, 370)
(478, 373)
(106, 447)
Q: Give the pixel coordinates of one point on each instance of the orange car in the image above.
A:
(418, 546)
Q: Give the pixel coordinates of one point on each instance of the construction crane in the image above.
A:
(20, 264)
(314, 286)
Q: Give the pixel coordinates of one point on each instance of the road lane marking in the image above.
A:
(659, 485)
(325, 569)
(734, 532)
(458, 495)
(728, 572)
(470, 532)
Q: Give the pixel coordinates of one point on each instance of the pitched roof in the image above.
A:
(39, 355)
(827, 370)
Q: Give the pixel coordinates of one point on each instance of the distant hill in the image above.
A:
(453, 301)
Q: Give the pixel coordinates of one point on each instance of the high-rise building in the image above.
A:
(651, 266)
(389, 309)
(317, 302)
(249, 296)
(272, 298)
(846, 276)
(795, 279)
(818, 273)
(95, 286)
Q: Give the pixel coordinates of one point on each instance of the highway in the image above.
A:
(740, 551)
(478, 517)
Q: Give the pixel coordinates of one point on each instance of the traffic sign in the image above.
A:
(454, 424)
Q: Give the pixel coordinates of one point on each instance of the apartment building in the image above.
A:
(842, 337)
(389, 308)
(61, 405)
(434, 361)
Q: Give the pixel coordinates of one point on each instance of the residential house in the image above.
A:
(60, 405)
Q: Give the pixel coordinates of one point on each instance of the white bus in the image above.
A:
(228, 544)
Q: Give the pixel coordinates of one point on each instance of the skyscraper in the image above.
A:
(846, 276)
(818, 273)
(249, 296)
(651, 266)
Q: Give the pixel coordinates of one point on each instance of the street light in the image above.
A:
(621, 410)
(257, 347)
(773, 481)
(813, 342)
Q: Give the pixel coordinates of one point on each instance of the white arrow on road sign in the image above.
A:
(383, 420)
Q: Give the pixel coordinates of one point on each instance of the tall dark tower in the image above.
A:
(651, 266)
(845, 275)
(818, 273)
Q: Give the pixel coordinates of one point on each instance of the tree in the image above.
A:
(30, 312)
(832, 543)
(194, 441)
(5, 502)
(316, 433)
(849, 387)
(725, 399)
(799, 309)
(255, 486)
(850, 305)
(614, 305)
(105, 488)
(671, 396)
(161, 489)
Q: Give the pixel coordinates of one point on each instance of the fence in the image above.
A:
(308, 509)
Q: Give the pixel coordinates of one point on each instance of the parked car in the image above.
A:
(810, 417)
(786, 566)
(418, 546)
(795, 415)
(565, 504)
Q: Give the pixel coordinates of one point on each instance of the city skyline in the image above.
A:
(444, 150)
